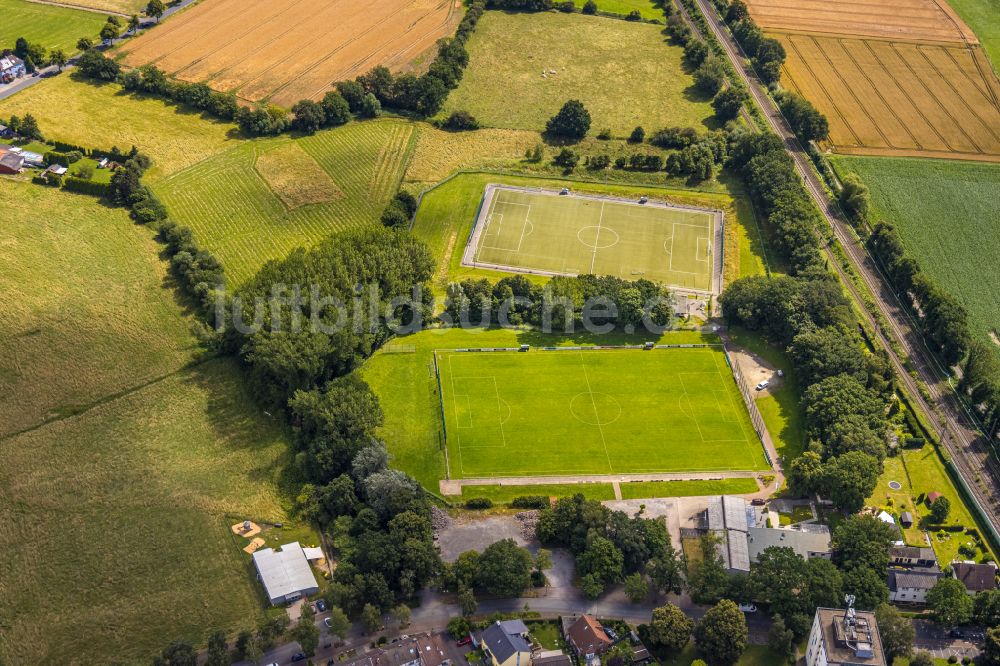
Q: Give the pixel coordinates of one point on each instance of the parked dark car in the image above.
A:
(299, 656)
(321, 605)
(956, 633)
(758, 502)
(464, 641)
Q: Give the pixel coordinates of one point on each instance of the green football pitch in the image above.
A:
(593, 412)
(543, 232)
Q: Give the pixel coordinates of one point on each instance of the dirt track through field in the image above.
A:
(288, 50)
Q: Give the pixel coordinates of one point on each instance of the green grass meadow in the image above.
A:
(692, 488)
(51, 26)
(503, 494)
(535, 231)
(116, 521)
(947, 215)
(236, 215)
(625, 73)
(402, 376)
(87, 308)
(593, 412)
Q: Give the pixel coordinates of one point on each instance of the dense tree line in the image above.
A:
(766, 53)
(560, 304)
(770, 176)
(198, 273)
(610, 545)
(944, 323)
(344, 309)
(943, 320)
(806, 121)
(301, 359)
(846, 390)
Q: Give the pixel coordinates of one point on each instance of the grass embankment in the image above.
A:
(132, 502)
(542, 60)
(129, 467)
(86, 311)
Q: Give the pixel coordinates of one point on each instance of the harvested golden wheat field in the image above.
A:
(906, 79)
(930, 20)
(288, 50)
(898, 98)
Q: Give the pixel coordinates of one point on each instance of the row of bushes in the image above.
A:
(519, 502)
(198, 273)
(561, 304)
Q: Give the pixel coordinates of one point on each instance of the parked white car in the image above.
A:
(748, 608)
(763, 385)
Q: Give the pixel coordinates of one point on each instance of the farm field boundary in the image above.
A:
(257, 51)
(534, 230)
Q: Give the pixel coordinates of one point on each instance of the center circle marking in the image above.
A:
(607, 411)
(593, 237)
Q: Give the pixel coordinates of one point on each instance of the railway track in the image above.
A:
(951, 422)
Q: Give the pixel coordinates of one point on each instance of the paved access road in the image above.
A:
(949, 419)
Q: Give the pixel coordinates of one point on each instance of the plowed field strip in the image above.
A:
(217, 61)
(921, 19)
(928, 105)
(202, 34)
(841, 95)
(291, 59)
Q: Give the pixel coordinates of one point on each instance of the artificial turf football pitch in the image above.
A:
(542, 232)
(578, 411)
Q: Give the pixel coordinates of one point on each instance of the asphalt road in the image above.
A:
(949, 419)
(435, 611)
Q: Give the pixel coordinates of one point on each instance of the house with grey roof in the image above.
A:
(506, 643)
(910, 586)
(912, 556)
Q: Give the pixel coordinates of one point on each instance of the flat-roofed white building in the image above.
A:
(285, 573)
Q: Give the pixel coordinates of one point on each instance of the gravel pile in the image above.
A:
(440, 520)
(528, 520)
